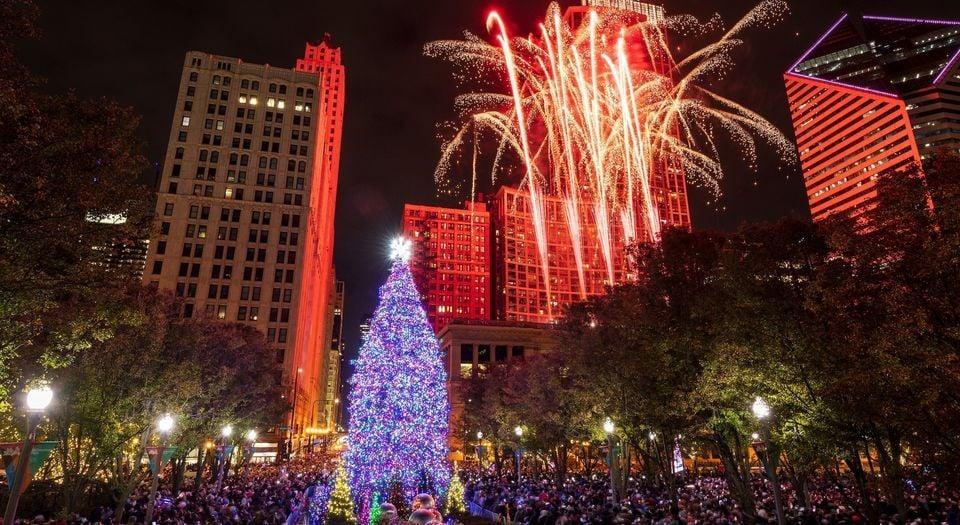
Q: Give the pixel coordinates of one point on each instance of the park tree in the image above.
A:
(71, 169)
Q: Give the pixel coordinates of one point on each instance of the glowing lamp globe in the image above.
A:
(401, 249)
(608, 426)
(251, 435)
(39, 398)
(760, 408)
(518, 431)
(165, 424)
(227, 431)
(480, 435)
(652, 436)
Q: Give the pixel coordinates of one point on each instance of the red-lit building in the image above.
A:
(520, 292)
(451, 260)
(245, 207)
(873, 94)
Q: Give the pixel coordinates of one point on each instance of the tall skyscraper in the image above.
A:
(451, 260)
(873, 94)
(246, 205)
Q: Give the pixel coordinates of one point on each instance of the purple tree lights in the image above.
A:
(398, 399)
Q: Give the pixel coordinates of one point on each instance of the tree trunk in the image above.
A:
(136, 476)
(179, 465)
(856, 467)
(738, 477)
(891, 468)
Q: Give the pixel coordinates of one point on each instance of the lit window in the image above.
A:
(243, 99)
(271, 103)
(185, 122)
(298, 107)
(228, 193)
(253, 101)
(280, 104)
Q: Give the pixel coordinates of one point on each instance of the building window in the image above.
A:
(185, 122)
(157, 267)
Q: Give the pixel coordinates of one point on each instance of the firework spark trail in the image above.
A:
(596, 131)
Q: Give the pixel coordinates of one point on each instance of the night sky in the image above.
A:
(133, 52)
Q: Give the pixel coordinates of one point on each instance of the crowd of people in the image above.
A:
(700, 500)
(280, 494)
(270, 494)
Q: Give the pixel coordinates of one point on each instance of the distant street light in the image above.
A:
(226, 431)
(165, 424)
(37, 400)
(760, 408)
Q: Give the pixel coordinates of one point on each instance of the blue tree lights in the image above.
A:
(399, 410)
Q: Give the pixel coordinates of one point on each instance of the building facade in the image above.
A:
(470, 348)
(450, 260)
(245, 206)
(329, 416)
(874, 94)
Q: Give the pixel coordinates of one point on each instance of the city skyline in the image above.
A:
(388, 88)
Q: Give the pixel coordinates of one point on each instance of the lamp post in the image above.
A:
(519, 452)
(223, 452)
(37, 401)
(480, 450)
(164, 427)
(609, 428)
(293, 412)
(248, 452)
(767, 452)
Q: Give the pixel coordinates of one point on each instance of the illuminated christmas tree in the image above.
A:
(455, 505)
(398, 398)
(340, 507)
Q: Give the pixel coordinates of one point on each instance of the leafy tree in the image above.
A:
(67, 163)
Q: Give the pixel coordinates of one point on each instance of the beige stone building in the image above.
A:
(245, 208)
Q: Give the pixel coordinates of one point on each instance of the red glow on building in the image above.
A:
(314, 315)
(846, 137)
(451, 260)
(872, 95)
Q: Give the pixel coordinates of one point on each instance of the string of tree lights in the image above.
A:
(398, 399)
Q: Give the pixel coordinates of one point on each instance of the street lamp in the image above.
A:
(248, 450)
(519, 452)
(156, 457)
(226, 431)
(37, 400)
(760, 408)
(767, 452)
(609, 428)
